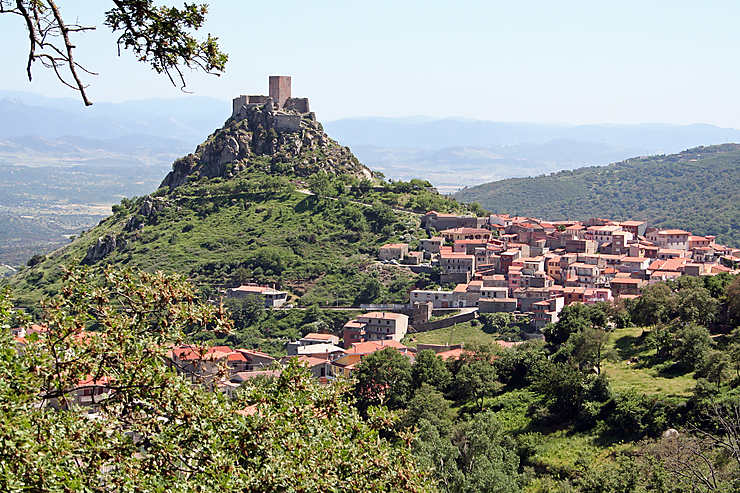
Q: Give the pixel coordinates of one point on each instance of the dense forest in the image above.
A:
(697, 190)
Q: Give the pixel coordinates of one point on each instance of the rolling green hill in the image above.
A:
(697, 189)
(238, 210)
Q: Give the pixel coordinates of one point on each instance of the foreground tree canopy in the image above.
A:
(157, 431)
(160, 36)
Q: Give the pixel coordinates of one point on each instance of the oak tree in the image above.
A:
(161, 36)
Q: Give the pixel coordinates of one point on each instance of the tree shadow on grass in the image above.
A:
(307, 204)
(628, 347)
(672, 369)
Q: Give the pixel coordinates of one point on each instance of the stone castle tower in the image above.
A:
(280, 89)
(280, 98)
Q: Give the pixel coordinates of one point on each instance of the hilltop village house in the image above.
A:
(530, 265)
(272, 298)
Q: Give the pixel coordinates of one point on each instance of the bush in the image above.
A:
(35, 260)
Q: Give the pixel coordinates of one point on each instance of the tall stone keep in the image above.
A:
(280, 89)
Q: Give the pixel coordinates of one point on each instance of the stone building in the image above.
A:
(272, 298)
(381, 326)
(280, 98)
(456, 267)
(393, 251)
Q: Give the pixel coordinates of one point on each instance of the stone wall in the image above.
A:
(456, 277)
(299, 105)
(237, 104)
(242, 101)
(438, 347)
(445, 322)
(287, 123)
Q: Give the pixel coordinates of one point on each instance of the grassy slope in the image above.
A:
(209, 230)
(698, 190)
(460, 333)
(625, 375)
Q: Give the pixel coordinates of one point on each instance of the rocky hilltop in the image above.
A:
(236, 211)
(261, 138)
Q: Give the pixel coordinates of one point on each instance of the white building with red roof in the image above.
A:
(271, 297)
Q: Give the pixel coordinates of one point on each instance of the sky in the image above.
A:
(670, 61)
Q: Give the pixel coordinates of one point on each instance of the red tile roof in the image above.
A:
(384, 315)
(394, 245)
(319, 337)
(372, 346)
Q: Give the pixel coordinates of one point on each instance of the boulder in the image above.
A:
(101, 249)
(670, 433)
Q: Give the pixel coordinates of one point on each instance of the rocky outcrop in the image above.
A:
(102, 248)
(293, 142)
(147, 211)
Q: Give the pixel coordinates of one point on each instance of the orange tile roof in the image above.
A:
(451, 353)
(372, 346)
(394, 245)
(319, 337)
(254, 352)
(455, 255)
(625, 280)
(310, 361)
(384, 315)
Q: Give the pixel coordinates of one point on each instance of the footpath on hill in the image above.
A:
(363, 204)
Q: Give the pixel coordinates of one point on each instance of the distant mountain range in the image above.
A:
(697, 190)
(186, 119)
(452, 153)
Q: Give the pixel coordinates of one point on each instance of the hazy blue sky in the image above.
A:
(546, 61)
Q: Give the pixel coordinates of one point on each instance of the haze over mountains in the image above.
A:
(452, 153)
(128, 147)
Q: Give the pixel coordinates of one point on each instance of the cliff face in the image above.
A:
(280, 142)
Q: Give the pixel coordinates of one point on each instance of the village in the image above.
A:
(526, 267)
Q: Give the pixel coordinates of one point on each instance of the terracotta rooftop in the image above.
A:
(255, 289)
(384, 315)
(394, 245)
(372, 346)
(318, 337)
